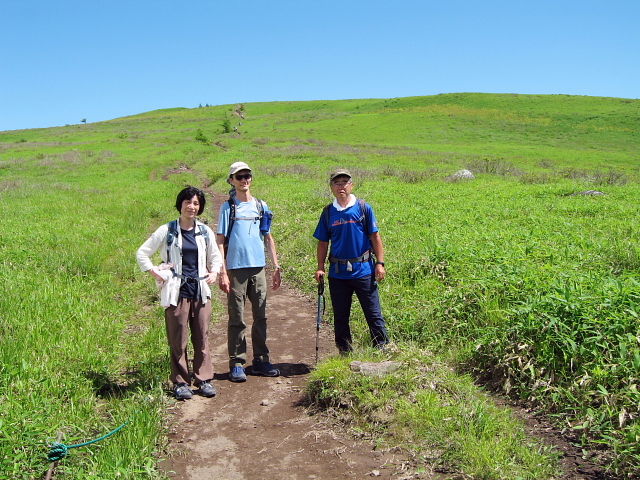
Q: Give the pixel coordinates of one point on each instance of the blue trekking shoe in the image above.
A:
(207, 390)
(182, 391)
(264, 369)
(237, 374)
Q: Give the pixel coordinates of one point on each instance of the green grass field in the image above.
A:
(511, 279)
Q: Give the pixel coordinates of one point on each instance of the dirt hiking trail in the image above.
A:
(260, 429)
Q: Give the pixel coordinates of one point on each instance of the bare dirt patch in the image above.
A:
(575, 463)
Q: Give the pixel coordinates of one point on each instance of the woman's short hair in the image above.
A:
(188, 193)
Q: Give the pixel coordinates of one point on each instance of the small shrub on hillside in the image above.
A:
(226, 124)
(536, 178)
(415, 176)
(573, 173)
(494, 166)
(9, 185)
(362, 174)
(609, 178)
(546, 163)
(295, 169)
(200, 136)
(73, 157)
(596, 177)
(324, 194)
(409, 176)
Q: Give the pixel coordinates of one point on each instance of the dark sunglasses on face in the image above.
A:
(246, 176)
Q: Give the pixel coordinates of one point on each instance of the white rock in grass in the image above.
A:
(374, 369)
(589, 192)
(464, 175)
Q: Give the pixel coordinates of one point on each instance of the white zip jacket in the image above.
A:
(209, 260)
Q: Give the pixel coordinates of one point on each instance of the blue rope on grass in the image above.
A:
(59, 450)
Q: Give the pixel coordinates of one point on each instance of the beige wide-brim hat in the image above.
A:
(236, 167)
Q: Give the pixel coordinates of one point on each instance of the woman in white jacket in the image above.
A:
(191, 262)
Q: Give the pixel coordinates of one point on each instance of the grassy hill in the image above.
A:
(510, 277)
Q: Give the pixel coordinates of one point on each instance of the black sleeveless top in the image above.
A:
(190, 285)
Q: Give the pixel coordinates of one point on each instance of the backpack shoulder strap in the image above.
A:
(172, 233)
(204, 232)
(232, 214)
(232, 219)
(363, 218)
(259, 206)
(325, 216)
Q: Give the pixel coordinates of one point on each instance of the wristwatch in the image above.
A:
(380, 263)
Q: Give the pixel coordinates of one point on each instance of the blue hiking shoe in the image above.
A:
(264, 369)
(207, 390)
(182, 391)
(237, 374)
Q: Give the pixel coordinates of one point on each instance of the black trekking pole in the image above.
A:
(320, 312)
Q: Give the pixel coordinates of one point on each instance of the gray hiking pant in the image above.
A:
(246, 283)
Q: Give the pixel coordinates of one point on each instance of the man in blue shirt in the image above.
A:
(242, 238)
(356, 260)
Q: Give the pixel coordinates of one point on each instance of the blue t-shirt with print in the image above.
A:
(246, 243)
(348, 237)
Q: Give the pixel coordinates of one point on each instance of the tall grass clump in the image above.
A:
(574, 350)
(438, 416)
(77, 356)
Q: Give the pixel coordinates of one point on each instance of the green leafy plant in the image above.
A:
(226, 124)
(200, 136)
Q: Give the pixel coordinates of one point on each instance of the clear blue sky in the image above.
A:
(66, 60)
